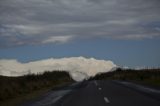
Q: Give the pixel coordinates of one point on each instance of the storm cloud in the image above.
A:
(36, 22)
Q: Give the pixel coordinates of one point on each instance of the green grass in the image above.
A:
(145, 76)
(14, 90)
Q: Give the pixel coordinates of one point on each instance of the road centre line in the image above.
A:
(100, 88)
(96, 83)
(106, 100)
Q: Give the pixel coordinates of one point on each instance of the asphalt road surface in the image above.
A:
(100, 93)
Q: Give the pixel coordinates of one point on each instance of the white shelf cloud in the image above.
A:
(79, 68)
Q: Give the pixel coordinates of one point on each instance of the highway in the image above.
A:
(100, 93)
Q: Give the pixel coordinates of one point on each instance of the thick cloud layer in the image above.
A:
(34, 22)
(79, 67)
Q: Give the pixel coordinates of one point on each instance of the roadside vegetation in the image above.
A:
(144, 76)
(30, 85)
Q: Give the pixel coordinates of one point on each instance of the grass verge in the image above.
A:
(16, 90)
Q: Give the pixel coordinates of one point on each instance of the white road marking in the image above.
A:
(50, 98)
(100, 88)
(140, 87)
(48, 102)
(57, 98)
(106, 100)
(96, 83)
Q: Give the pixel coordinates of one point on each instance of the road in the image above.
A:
(100, 93)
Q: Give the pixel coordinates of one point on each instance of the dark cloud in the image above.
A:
(28, 22)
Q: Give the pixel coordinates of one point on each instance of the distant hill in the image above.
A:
(145, 76)
(11, 87)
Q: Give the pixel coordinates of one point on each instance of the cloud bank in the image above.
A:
(78, 67)
(36, 22)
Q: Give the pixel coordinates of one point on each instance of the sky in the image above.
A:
(126, 32)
